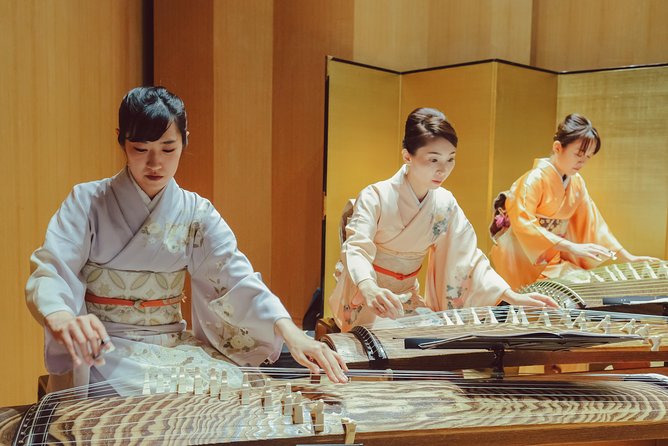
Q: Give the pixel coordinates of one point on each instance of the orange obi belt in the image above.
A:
(398, 276)
(92, 298)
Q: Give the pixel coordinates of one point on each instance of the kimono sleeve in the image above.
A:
(588, 226)
(232, 308)
(537, 242)
(459, 275)
(359, 249)
(54, 284)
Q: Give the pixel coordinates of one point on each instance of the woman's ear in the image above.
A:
(557, 148)
(118, 132)
(406, 156)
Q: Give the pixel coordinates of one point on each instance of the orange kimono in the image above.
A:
(542, 210)
(389, 235)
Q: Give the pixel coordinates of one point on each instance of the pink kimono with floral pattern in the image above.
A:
(110, 239)
(543, 209)
(392, 229)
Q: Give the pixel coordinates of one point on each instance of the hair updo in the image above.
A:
(423, 126)
(146, 113)
(577, 127)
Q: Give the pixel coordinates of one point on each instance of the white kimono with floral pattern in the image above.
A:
(107, 239)
(392, 229)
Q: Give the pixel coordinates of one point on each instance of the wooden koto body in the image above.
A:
(382, 346)
(626, 287)
(427, 411)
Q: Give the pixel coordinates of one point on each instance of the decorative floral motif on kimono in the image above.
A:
(412, 304)
(233, 339)
(218, 287)
(134, 286)
(554, 225)
(441, 221)
(175, 236)
(458, 287)
(351, 313)
(183, 352)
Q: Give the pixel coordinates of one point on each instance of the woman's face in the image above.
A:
(431, 164)
(570, 159)
(153, 163)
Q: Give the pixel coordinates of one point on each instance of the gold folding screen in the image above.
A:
(505, 116)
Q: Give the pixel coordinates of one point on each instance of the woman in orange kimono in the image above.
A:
(549, 225)
(397, 222)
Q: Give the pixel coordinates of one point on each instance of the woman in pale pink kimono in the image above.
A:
(111, 272)
(549, 225)
(397, 222)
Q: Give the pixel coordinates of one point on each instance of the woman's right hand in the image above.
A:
(86, 333)
(587, 250)
(382, 301)
(529, 299)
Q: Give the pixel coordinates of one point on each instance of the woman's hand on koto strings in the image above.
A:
(382, 301)
(83, 336)
(590, 251)
(528, 300)
(310, 353)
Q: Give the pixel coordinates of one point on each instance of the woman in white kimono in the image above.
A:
(396, 222)
(109, 277)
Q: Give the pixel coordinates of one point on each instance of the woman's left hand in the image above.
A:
(311, 353)
(626, 256)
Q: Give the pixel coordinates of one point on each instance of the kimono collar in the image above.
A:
(151, 203)
(545, 165)
(134, 209)
(399, 179)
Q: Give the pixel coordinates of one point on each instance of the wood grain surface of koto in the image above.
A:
(423, 407)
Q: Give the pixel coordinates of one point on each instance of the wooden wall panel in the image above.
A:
(242, 124)
(392, 34)
(305, 32)
(363, 144)
(412, 34)
(511, 30)
(477, 30)
(579, 35)
(555, 34)
(183, 63)
(628, 178)
(66, 66)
